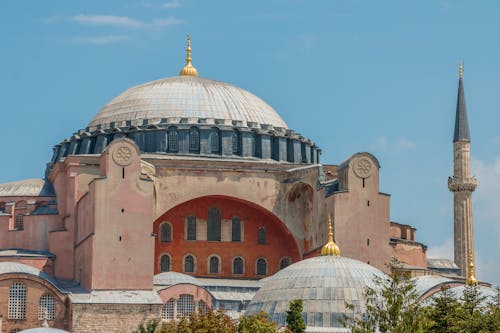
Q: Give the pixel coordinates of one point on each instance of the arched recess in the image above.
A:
(279, 240)
(300, 203)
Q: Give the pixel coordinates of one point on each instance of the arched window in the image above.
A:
(236, 229)
(165, 232)
(275, 148)
(173, 140)
(165, 263)
(47, 308)
(17, 301)
(261, 266)
(191, 228)
(19, 211)
(235, 141)
(2, 207)
(185, 305)
(285, 262)
(214, 141)
(202, 307)
(167, 310)
(15, 330)
(256, 145)
(194, 140)
(261, 235)
(214, 265)
(213, 225)
(238, 265)
(189, 264)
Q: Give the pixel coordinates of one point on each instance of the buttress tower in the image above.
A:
(462, 184)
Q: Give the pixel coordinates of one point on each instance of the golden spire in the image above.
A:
(471, 280)
(330, 248)
(461, 71)
(189, 69)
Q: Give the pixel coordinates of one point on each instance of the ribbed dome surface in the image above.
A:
(188, 97)
(325, 284)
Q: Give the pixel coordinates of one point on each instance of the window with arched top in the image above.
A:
(238, 265)
(173, 140)
(261, 266)
(189, 264)
(194, 140)
(185, 305)
(214, 265)
(236, 229)
(214, 225)
(256, 145)
(47, 308)
(202, 307)
(165, 232)
(285, 262)
(191, 228)
(236, 143)
(17, 301)
(214, 141)
(2, 207)
(275, 148)
(167, 310)
(15, 330)
(261, 235)
(165, 263)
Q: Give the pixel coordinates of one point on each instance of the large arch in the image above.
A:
(279, 240)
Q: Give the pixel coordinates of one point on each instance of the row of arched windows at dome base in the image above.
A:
(17, 304)
(214, 264)
(183, 306)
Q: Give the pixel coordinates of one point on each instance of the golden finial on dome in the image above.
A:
(188, 69)
(471, 279)
(461, 70)
(330, 248)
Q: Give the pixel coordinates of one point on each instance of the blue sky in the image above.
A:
(377, 76)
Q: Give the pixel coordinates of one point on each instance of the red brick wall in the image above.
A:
(279, 241)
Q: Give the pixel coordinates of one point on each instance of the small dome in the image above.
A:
(325, 284)
(189, 97)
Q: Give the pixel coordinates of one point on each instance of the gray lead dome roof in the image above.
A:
(191, 98)
(325, 284)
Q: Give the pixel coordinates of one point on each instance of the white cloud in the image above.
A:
(172, 4)
(109, 39)
(383, 143)
(118, 21)
(404, 144)
(166, 22)
(441, 251)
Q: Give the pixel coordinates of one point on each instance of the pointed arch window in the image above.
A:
(214, 225)
(165, 262)
(191, 228)
(173, 140)
(194, 140)
(214, 265)
(261, 235)
(236, 229)
(261, 266)
(165, 232)
(238, 265)
(285, 262)
(214, 141)
(17, 301)
(189, 264)
(47, 308)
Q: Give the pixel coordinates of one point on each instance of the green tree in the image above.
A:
(442, 313)
(258, 323)
(149, 327)
(200, 322)
(294, 321)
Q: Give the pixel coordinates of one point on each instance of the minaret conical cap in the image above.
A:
(462, 132)
(330, 248)
(188, 70)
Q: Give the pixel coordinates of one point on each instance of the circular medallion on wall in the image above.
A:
(122, 155)
(363, 167)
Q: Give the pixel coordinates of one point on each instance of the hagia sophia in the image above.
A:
(186, 193)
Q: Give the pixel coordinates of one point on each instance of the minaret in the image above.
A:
(462, 185)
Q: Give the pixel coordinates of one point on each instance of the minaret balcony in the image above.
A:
(460, 184)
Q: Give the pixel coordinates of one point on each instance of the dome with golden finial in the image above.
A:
(471, 279)
(188, 70)
(330, 248)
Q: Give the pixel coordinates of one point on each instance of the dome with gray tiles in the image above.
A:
(325, 284)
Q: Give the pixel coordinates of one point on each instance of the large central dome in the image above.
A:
(190, 98)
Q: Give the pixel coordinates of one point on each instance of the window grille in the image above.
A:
(185, 305)
(165, 233)
(284, 262)
(47, 308)
(215, 141)
(236, 229)
(165, 263)
(173, 140)
(261, 267)
(261, 235)
(238, 265)
(202, 307)
(214, 264)
(213, 225)
(167, 310)
(194, 140)
(189, 264)
(17, 301)
(19, 222)
(191, 228)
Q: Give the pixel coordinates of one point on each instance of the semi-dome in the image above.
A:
(325, 284)
(188, 99)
